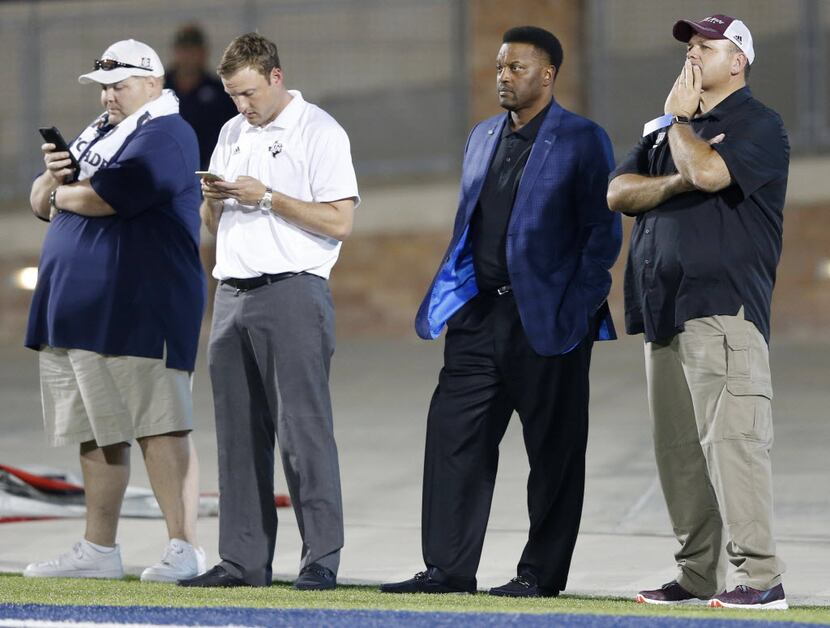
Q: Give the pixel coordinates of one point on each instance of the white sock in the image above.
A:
(103, 549)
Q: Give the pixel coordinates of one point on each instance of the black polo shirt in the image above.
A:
(488, 227)
(700, 254)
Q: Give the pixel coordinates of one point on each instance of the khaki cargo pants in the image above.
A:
(709, 395)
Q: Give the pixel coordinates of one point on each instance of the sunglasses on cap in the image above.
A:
(110, 64)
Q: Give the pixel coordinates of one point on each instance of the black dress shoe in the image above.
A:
(315, 577)
(524, 585)
(423, 582)
(216, 577)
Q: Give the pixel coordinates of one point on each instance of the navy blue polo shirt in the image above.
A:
(131, 283)
(699, 254)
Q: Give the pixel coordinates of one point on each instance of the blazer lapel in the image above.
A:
(482, 157)
(538, 155)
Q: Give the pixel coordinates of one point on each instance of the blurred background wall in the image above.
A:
(407, 79)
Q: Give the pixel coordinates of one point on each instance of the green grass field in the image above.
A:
(16, 589)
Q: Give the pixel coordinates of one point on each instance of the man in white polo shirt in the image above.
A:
(286, 203)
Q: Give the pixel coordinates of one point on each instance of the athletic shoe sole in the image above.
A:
(642, 599)
(160, 577)
(777, 605)
(103, 575)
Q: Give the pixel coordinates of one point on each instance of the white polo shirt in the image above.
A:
(303, 153)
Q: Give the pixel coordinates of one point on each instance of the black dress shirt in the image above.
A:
(488, 227)
(700, 254)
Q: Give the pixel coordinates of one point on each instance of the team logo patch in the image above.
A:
(275, 148)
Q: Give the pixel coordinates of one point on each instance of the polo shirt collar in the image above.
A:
(287, 118)
(530, 130)
(729, 104)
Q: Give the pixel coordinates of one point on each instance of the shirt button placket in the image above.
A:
(648, 257)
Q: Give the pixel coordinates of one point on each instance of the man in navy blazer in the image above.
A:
(522, 290)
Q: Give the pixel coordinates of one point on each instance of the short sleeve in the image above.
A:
(636, 161)
(218, 158)
(331, 172)
(756, 153)
(146, 173)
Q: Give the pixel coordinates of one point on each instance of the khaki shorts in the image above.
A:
(111, 399)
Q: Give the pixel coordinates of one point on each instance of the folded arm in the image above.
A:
(79, 198)
(696, 161)
(636, 193)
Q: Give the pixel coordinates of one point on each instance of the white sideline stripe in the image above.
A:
(40, 623)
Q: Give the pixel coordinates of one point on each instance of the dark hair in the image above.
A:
(189, 35)
(543, 40)
(250, 50)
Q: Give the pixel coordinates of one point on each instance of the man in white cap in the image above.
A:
(707, 184)
(117, 310)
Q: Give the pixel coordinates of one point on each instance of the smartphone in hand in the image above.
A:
(209, 176)
(53, 136)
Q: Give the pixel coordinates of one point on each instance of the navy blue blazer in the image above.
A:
(561, 238)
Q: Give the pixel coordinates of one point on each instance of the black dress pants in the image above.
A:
(489, 371)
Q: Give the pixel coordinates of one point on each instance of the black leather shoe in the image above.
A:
(315, 577)
(422, 583)
(216, 577)
(524, 585)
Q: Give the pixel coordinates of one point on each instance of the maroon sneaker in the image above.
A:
(669, 593)
(743, 596)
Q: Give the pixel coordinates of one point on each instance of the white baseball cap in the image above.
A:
(122, 60)
(717, 27)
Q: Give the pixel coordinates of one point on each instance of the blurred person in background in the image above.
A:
(707, 184)
(202, 99)
(522, 290)
(285, 205)
(117, 310)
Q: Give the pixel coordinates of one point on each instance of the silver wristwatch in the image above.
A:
(265, 201)
(54, 210)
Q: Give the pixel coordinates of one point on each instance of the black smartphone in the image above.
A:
(53, 136)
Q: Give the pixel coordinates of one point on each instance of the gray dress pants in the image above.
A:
(269, 355)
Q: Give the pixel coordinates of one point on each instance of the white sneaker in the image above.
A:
(84, 561)
(180, 561)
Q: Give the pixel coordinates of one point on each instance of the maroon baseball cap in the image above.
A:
(717, 27)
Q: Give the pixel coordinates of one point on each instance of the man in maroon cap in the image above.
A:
(707, 184)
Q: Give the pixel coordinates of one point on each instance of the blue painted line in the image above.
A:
(326, 618)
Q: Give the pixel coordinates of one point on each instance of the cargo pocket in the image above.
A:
(748, 388)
